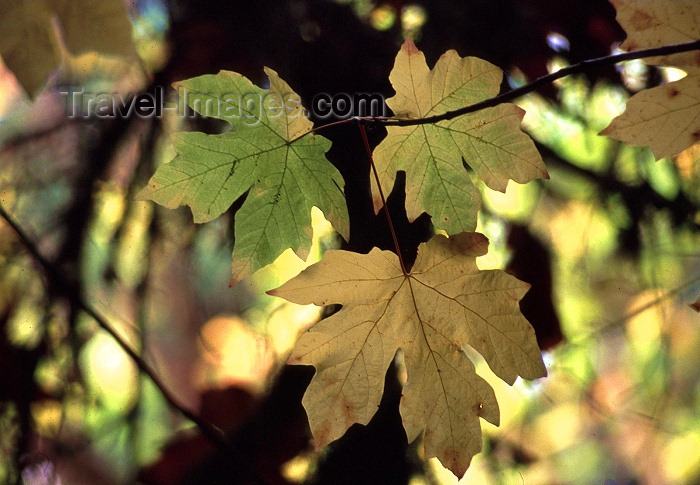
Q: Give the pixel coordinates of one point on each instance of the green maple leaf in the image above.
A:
(268, 153)
(444, 304)
(39, 36)
(490, 140)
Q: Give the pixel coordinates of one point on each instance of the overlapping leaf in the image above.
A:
(490, 141)
(664, 118)
(35, 33)
(443, 305)
(266, 155)
(654, 24)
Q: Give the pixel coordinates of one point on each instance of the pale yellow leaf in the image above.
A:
(665, 118)
(654, 23)
(443, 305)
(490, 141)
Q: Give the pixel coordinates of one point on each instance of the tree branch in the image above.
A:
(59, 284)
(537, 83)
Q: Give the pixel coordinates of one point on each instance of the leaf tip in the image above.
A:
(240, 269)
(409, 47)
(270, 73)
(541, 371)
(294, 360)
(455, 463)
(303, 252)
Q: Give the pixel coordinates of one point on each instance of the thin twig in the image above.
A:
(59, 283)
(579, 68)
(323, 127)
(365, 140)
(607, 326)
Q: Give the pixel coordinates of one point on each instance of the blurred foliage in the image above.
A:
(622, 399)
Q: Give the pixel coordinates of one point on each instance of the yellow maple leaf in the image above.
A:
(665, 118)
(654, 24)
(490, 140)
(441, 306)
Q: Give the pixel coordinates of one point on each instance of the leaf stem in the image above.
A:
(365, 140)
(60, 285)
(322, 127)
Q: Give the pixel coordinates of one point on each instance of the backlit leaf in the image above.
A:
(665, 118)
(490, 141)
(654, 24)
(443, 305)
(264, 155)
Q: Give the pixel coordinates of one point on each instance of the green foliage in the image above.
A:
(269, 155)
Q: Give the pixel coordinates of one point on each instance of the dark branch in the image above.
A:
(60, 285)
(579, 68)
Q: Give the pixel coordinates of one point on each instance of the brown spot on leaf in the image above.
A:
(696, 135)
(642, 21)
(347, 414)
(672, 92)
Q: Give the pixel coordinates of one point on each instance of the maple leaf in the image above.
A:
(39, 36)
(490, 140)
(444, 304)
(654, 24)
(266, 155)
(665, 118)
